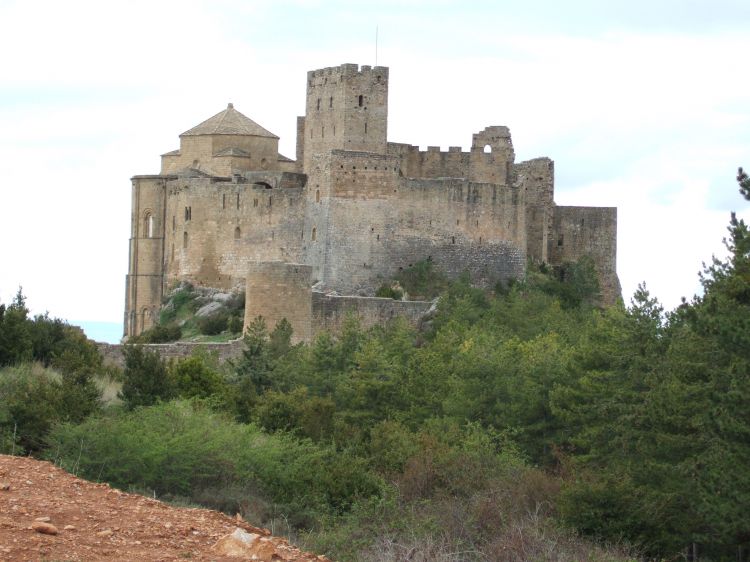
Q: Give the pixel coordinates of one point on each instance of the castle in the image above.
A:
(227, 210)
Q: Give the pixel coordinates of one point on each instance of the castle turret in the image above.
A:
(346, 109)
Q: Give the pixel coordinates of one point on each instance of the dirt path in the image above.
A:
(96, 522)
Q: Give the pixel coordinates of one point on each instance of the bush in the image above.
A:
(161, 333)
(421, 280)
(182, 448)
(145, 378)
(234, 324)
(387, 291)
(213, 324)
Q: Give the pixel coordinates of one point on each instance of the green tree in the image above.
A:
(16, 344)
(146, 380)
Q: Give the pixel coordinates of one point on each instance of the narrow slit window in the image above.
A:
(317, 196)
(269, 200)
(453, 239)
(224, 201)
(361, 100)
(314, 234)
(255, 202)
(238, 200)
(365, 128)
(330, 101)
(318, 106)
(148, 225)
(184, 239)
(174, 222)
(237, 233)
(560, 241)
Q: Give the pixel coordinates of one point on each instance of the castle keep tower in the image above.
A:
(346, 109)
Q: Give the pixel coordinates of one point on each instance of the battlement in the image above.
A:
(344, 70)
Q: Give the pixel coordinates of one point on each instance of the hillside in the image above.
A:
(97, 522)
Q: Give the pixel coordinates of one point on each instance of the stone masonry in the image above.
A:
(228, 211)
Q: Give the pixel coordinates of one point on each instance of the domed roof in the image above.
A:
(229, 122)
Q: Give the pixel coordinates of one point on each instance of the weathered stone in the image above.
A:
(209, 309)
(44, 528)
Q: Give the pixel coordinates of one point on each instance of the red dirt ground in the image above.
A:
(107, 524)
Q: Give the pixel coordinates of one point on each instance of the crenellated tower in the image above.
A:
(346, 109)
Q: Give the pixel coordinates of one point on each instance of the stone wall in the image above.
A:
(217, 229)
(588, 231)
(330, 311)
(280, 290)
(112, 353)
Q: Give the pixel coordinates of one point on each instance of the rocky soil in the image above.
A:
(48, 514)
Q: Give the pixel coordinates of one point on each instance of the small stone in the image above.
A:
(44, 528)
(105, 533)
(4, 486)
(43, 519)
(69, 528)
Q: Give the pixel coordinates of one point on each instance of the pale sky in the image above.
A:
(643, 105)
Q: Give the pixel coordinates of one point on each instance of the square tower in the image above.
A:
(346, 109)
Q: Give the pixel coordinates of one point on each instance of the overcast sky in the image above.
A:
(643, 105)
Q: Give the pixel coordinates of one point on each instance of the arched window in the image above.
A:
(314, 234)
(148, 225)
(237, 233)
(184, 239)
(487, 149)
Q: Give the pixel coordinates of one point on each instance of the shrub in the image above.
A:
(422, 280)
(145, 378)
(161, 333)
(388, 291)
(234, 324)
(213, 324)
(182, 448)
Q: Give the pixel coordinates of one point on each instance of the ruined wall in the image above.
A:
(536, 179)
(112, 353)
(216, 229)
(143, 290)
(278, 290)
(588, 231)
(330, 311)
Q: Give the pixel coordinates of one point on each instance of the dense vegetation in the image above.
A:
(515, 422)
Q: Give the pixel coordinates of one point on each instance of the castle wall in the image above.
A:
(536, 178)
(379, 222)
(278, 290)
(216, 229)
(588, 231)
(330, 311)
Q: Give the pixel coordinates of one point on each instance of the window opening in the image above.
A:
(365, 128)
(314, 234)
(148, 225)
(560, 240)
(255, 202)
(330, 101)
(487, 149)
(224, 201)
(238, 200)
(317, 196)
(269, 200)
(184, 239)
(323, 132)
(318, 107)
(360, 99)
(453, 239)
(174, 222)
(237, 233)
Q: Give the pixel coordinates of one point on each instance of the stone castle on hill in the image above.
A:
(314, 237)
